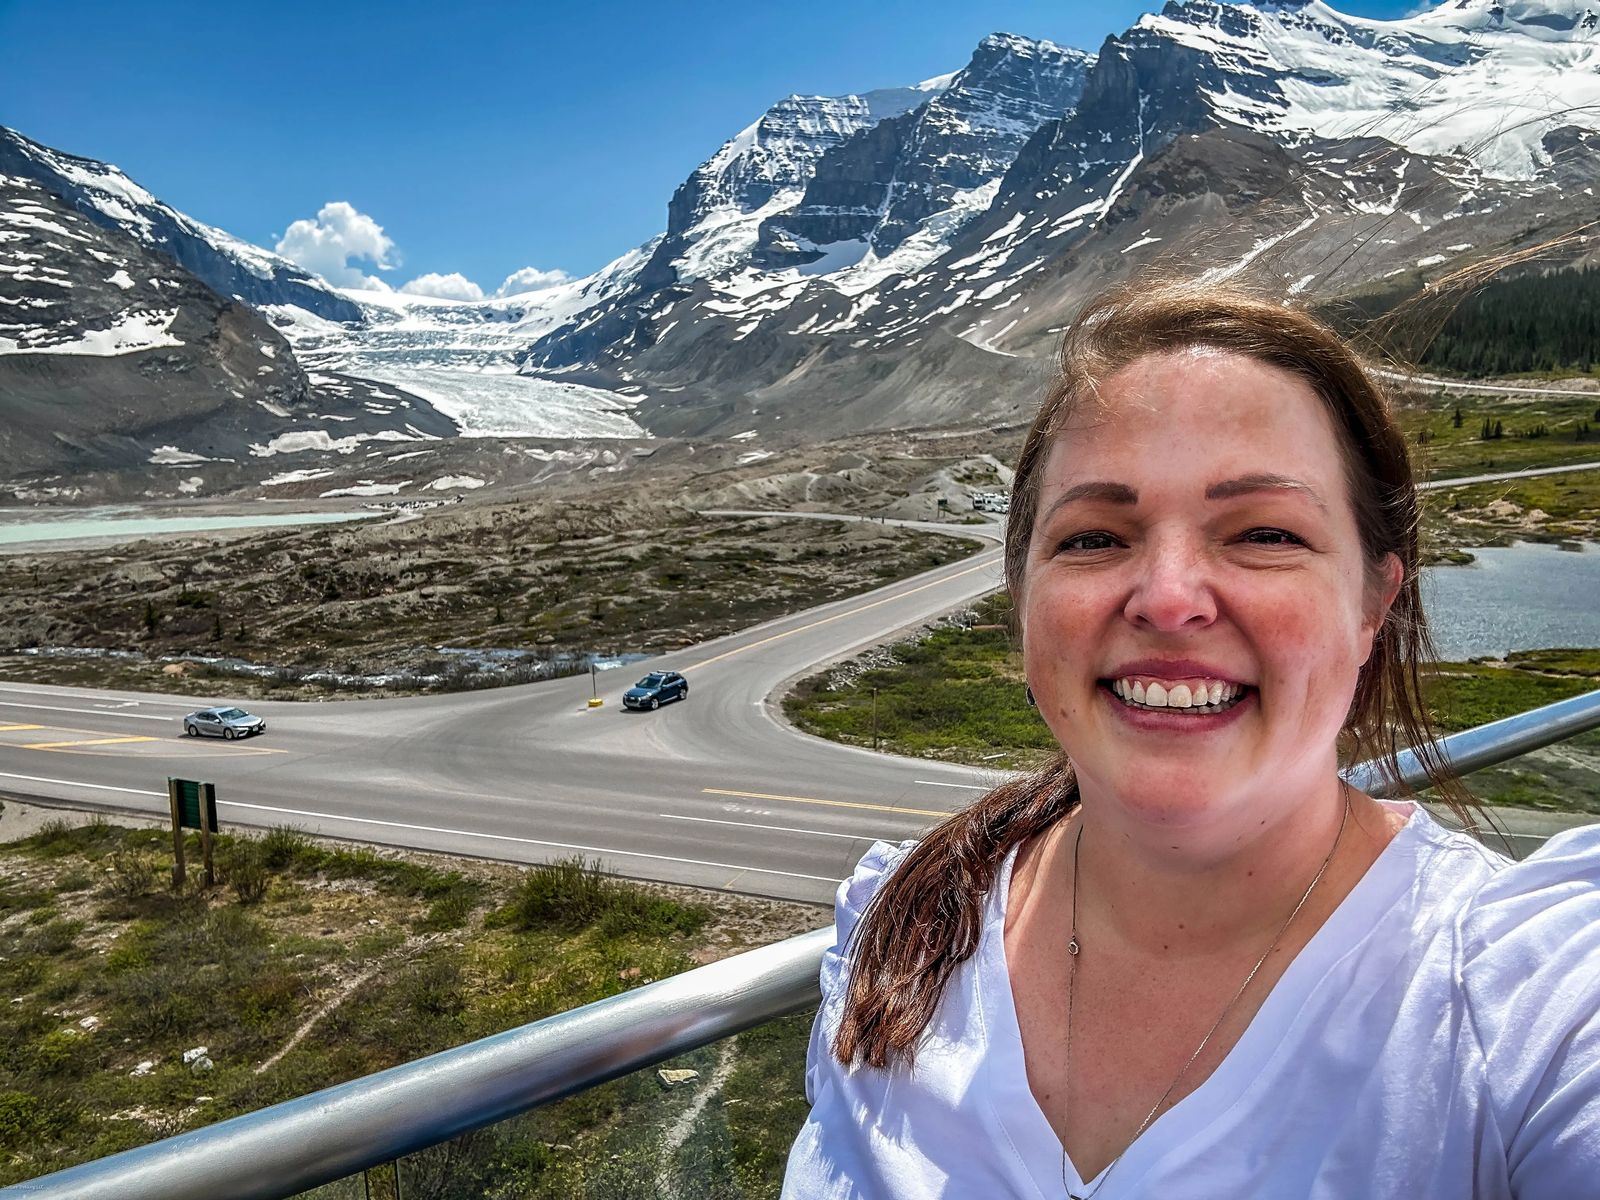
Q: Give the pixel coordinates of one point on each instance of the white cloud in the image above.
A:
(530, 279)
(454, 286)
(336, 238)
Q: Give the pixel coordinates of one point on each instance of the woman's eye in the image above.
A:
(1095, 540)
(1271, 537)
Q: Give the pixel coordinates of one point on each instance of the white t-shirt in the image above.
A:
(1437, 1039)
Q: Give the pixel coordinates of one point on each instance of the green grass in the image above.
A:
(454, 955)
(1452, 451)
(958, 695)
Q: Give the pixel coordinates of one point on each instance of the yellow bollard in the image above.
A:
(596, 702)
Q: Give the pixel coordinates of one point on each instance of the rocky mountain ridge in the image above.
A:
(1348, 154)
(226, 264)
(906, 257)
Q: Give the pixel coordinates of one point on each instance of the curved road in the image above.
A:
(715, 791)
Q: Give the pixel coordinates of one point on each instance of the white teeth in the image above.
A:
(1202, 697)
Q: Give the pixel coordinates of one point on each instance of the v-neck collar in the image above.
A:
(1005, 1068)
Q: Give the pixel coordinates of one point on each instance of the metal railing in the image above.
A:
(341, 1131)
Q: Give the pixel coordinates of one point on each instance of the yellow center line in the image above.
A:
(18, 728)
(914, 812)
(90, 742)
(836, 617)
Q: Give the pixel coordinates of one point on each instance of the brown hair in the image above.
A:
(927, 917)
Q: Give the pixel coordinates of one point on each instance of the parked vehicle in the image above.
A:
(227, 723)
(655, 689)
(995, 502)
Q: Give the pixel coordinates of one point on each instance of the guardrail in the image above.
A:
(343, 1130)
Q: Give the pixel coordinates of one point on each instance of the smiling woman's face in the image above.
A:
(1195, 608)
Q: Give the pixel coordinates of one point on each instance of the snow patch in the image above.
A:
(134, 332)
(168, 456)
(367, 488)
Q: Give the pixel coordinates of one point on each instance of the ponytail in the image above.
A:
(927, 918)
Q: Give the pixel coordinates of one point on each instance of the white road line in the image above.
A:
(103, 787)
(502, 837)
(93, 712)
(854, 837)
(971, 787)
(74, 694)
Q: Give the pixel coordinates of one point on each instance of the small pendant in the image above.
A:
(1072, 948)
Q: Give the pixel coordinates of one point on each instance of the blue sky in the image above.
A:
(482, 138)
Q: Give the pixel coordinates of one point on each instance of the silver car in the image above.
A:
(222, 722)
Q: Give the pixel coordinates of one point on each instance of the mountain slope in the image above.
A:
(229, 266)
(112, 357)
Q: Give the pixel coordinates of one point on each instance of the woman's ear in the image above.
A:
(1385, 586)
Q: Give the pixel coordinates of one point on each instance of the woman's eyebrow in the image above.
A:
(1120, 493)
(1110, 493)
(1262, 482)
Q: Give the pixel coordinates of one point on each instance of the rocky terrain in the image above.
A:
(492, 591)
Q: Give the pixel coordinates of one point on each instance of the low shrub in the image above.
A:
(283, 846)
(245, 868)
(131, 874)
(569, 895)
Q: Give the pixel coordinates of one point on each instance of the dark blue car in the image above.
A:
(655, 689)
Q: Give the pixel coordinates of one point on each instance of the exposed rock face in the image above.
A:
(876, 189)
(713, 217)
(102, 341)
(228, 266)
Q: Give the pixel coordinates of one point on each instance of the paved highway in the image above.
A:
(715, 791)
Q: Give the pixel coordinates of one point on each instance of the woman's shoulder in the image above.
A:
(1547, 904)
(851, 900)
(857, 892)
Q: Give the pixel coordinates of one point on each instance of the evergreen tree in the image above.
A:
(1535, 322)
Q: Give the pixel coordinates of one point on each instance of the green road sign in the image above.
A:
(194, 799)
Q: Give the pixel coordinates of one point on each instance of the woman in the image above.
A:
(1194, 962)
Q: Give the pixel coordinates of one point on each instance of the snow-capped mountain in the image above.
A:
(226, 264)
(714, 218)
(889, 202)
(113, 356)
(908, 256)
(1337, 152)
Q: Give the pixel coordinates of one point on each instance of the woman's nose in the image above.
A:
(1173, 591)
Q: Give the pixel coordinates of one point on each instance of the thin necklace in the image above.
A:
(1073, 949)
